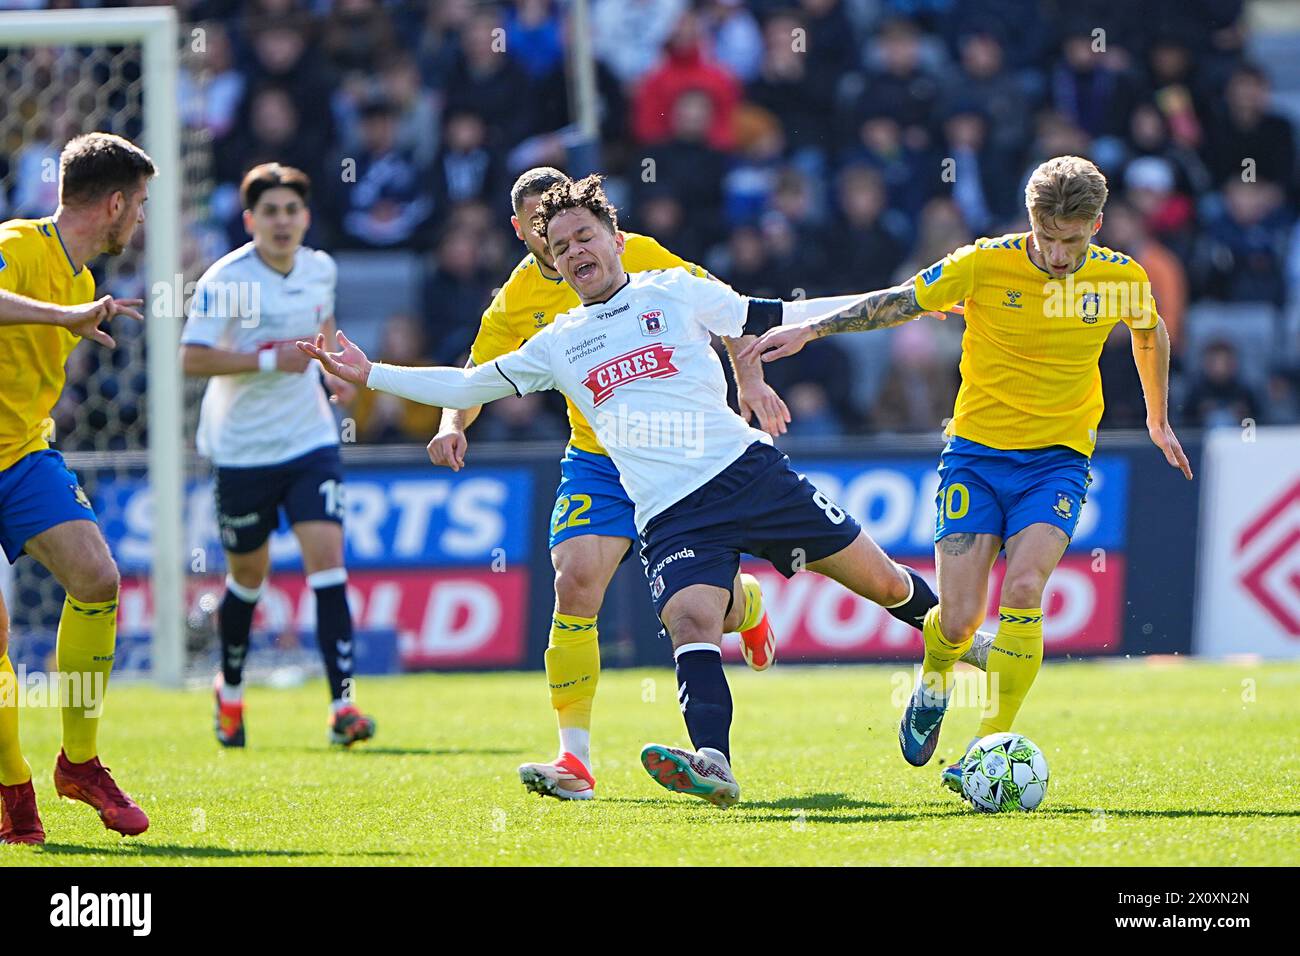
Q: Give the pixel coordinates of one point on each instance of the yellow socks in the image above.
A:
(753, 602)
(940, 655)
(84, 654)
(1014, 659)
(573, 670)
(13, 768)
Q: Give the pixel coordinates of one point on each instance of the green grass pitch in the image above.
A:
(1187, 764)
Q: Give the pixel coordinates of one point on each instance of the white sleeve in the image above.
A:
(209, 315)
(441, 386)
(811, 310)
(333, 275)
(527, 369)
(716, 306)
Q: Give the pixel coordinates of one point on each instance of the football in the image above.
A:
(1004, 772)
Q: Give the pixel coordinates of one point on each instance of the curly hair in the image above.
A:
(586, 193)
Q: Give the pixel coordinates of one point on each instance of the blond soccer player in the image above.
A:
(1014, 474)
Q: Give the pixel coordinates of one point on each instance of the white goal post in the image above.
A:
(154, 29)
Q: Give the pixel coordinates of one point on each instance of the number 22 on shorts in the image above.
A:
(564, 518)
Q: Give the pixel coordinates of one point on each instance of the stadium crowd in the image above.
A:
(794, 147)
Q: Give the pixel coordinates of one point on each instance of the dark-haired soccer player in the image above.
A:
(103, 187)
(592, 527)
(638, 345)
(267, 425)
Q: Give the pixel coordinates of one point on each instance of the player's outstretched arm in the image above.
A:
(875, 310)
(754, 395)
(1151, 356)
(444, 387)
(82, 320)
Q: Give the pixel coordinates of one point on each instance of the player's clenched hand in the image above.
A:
(84, 320)
(1167, 442)
(780, 342)
(448, 449)
(758, 399)
(349, 363)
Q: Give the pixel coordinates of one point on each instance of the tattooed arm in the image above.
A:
(875, 310)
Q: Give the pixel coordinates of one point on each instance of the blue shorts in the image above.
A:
(590, 499)
(758, 505)
(36, 493)
(308, 488)
(985, 490)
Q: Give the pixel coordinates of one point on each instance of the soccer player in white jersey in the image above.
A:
(635, 359)
(267, 425)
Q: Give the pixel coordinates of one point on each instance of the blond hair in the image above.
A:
(1066, 187)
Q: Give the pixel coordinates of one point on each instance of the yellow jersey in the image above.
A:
(1029, 372)
(35, 263)
(529, 302)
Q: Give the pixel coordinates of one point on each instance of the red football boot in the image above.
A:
(19, 821)
(758, 643)
(350, 725)
(91, 783)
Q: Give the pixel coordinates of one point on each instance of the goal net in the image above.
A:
(119, 421)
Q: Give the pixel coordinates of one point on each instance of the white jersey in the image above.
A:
(639, 367)
(242, 304)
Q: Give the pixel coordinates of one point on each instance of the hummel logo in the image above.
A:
(1013, 299)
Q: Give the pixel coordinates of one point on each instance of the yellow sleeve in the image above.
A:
(948, 281)
(1141, 314)
(641, 253)
(495, 336)
(11, 272)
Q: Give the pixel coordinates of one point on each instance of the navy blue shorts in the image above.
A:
(38, 492)
(758, 505)
(308, 488)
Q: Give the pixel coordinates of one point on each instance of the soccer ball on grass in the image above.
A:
(1004, 772)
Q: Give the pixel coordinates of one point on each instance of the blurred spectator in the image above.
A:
(383, 198)
(909, 174)
(210, 101)
(384, 418)
(687, 165)
(984, 78)
(628, 35)
(455, 296)
(438, 49)
(358, 35)
(1124, 231)
(284, 57)
(1282, 396)
(1121, 388)
(747, 187)
(870, 238)
(791, 88)
(983, 176)
(736, 38)
(1149, 137)
(466, 169)
(1245, 249)
(1219, 398)
(921, 386)
(486, 80)
(748, 267)
(534, 37)
(901, 88)
(660, 214)
(796, 235)
(1245, 128)
(1166, 213)
(1092, 88)
(417, 108)
(686, 69)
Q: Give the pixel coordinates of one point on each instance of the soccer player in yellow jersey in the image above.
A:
(103, 186)
(1014, 473)
(591, 527)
